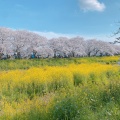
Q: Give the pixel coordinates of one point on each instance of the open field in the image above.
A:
(60, 89)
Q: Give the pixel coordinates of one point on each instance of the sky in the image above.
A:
(53, 18)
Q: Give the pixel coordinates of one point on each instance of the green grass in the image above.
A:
(28, 63)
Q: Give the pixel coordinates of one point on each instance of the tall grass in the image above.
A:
(69, 89)
(26, 63)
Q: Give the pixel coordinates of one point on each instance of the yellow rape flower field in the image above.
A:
(61, 89)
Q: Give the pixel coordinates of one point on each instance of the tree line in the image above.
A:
(16, 44)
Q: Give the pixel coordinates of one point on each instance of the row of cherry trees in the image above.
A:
(26, 44)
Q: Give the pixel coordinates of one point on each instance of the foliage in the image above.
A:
(17, 44)
(60, 89)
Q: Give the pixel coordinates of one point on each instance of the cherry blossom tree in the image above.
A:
(27, 44)
(99, 48)
(60, 46)
(77, 47)
(5, 43)
(24, 42)
(64, 47)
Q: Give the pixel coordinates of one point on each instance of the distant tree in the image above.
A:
(64, 47)
(77, 47)
(117, 38)
(26, 44)
(116, 35)
(19, 40)
(5, 34)
(44, 52)
(60, 46)
(37, 43)
(100, 48)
